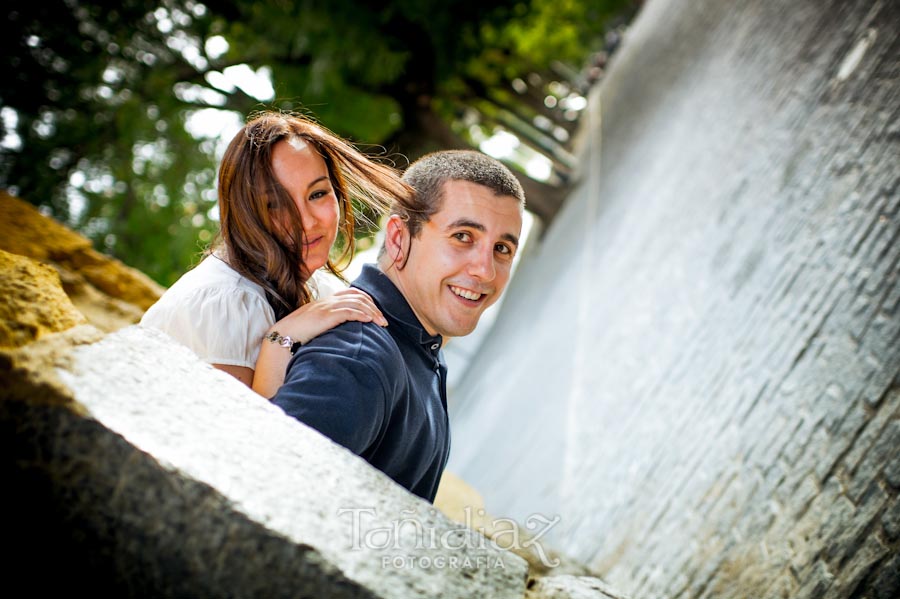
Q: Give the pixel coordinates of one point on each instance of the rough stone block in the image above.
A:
(142, 471)
(887, 583)
(34, 303)
(571, 587)
(890, 520)
(109, 293)
(852, 576)
(882, 451)
(846, 542)
(461, 503)
(892, 471)
(817, 581)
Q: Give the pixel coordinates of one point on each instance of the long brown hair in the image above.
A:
(267, 250)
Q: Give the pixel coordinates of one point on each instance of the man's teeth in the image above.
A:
(469, 295)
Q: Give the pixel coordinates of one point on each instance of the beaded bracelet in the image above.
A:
(283, 340)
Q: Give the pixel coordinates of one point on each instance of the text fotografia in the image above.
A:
(409, 532)
(425, 562)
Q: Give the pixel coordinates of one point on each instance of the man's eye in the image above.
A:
(503, 249)
(461, 236)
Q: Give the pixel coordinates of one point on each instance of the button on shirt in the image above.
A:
(380, 392)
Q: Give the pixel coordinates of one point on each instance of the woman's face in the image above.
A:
(302, 172)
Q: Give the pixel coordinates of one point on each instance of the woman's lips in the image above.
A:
(310, 244)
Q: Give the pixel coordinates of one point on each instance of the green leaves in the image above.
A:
(98, 95)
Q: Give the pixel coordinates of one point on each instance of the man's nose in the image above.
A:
(482, 264)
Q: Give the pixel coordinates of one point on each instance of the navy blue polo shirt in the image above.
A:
(379, 392)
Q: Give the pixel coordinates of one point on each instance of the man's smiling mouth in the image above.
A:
(466, 293)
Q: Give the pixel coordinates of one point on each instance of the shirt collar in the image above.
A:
(393, 305)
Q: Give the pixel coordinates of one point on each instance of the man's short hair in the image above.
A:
(428, 174)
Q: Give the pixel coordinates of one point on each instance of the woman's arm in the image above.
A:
(241, 373)
(303, 325)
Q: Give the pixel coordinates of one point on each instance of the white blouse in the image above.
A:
(221, 315)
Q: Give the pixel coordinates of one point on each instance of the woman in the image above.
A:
(285, 189)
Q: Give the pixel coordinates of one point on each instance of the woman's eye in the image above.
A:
(318, 194)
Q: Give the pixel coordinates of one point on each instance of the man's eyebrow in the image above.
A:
(471, 224)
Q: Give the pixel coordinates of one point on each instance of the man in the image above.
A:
(447, 254)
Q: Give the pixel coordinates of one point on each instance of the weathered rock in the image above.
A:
(571, 587)
(460, 502)
(33, 302)
(109, 293)
(140, 470)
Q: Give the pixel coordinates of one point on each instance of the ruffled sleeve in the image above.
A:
(323, 284)
(222, 325)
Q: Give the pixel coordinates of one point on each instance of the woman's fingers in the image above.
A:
(318, 316)
(354, 313)
(355, 310)
(359, 300)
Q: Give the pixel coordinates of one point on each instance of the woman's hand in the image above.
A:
(305, 324)
(308, 322)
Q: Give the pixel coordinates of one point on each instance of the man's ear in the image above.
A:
(396, 240)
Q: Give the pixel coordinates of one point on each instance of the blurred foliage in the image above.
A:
(97, 94)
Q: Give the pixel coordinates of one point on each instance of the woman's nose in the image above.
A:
(306, 215)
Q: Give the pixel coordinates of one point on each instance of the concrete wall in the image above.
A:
(699, 368)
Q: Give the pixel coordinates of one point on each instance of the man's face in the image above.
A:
(460, 262)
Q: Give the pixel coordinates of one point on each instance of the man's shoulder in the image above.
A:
(352, 353)
(364, 341)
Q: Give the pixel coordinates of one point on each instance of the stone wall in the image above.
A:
(698, 368)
